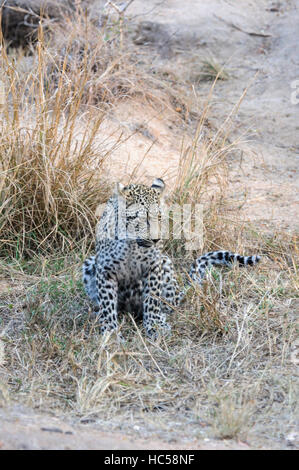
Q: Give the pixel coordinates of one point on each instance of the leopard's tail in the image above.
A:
(200, 265)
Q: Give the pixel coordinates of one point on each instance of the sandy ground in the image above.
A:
(22, 428)
(258, 43)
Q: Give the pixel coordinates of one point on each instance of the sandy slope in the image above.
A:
(257, 42)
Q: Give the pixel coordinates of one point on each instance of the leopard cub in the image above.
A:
(129, 271)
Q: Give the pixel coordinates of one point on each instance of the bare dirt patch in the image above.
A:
(22, 428)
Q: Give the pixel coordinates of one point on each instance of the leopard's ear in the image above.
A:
(118, 188)
(158, 184)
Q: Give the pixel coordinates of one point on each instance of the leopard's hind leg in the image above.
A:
(101, 287)
(172, 295)
(89, 278)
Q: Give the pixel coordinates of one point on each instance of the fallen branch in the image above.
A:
(250, 33)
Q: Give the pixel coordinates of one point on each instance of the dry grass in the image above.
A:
(49, 185)
(116, 69)
(227, 369)
(212, 69)
(53, 109)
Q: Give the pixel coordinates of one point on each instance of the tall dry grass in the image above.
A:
(51, 154)
(50, 161)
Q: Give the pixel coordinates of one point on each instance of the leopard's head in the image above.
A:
(139, 211)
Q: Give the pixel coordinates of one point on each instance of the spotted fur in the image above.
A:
(129, 271)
